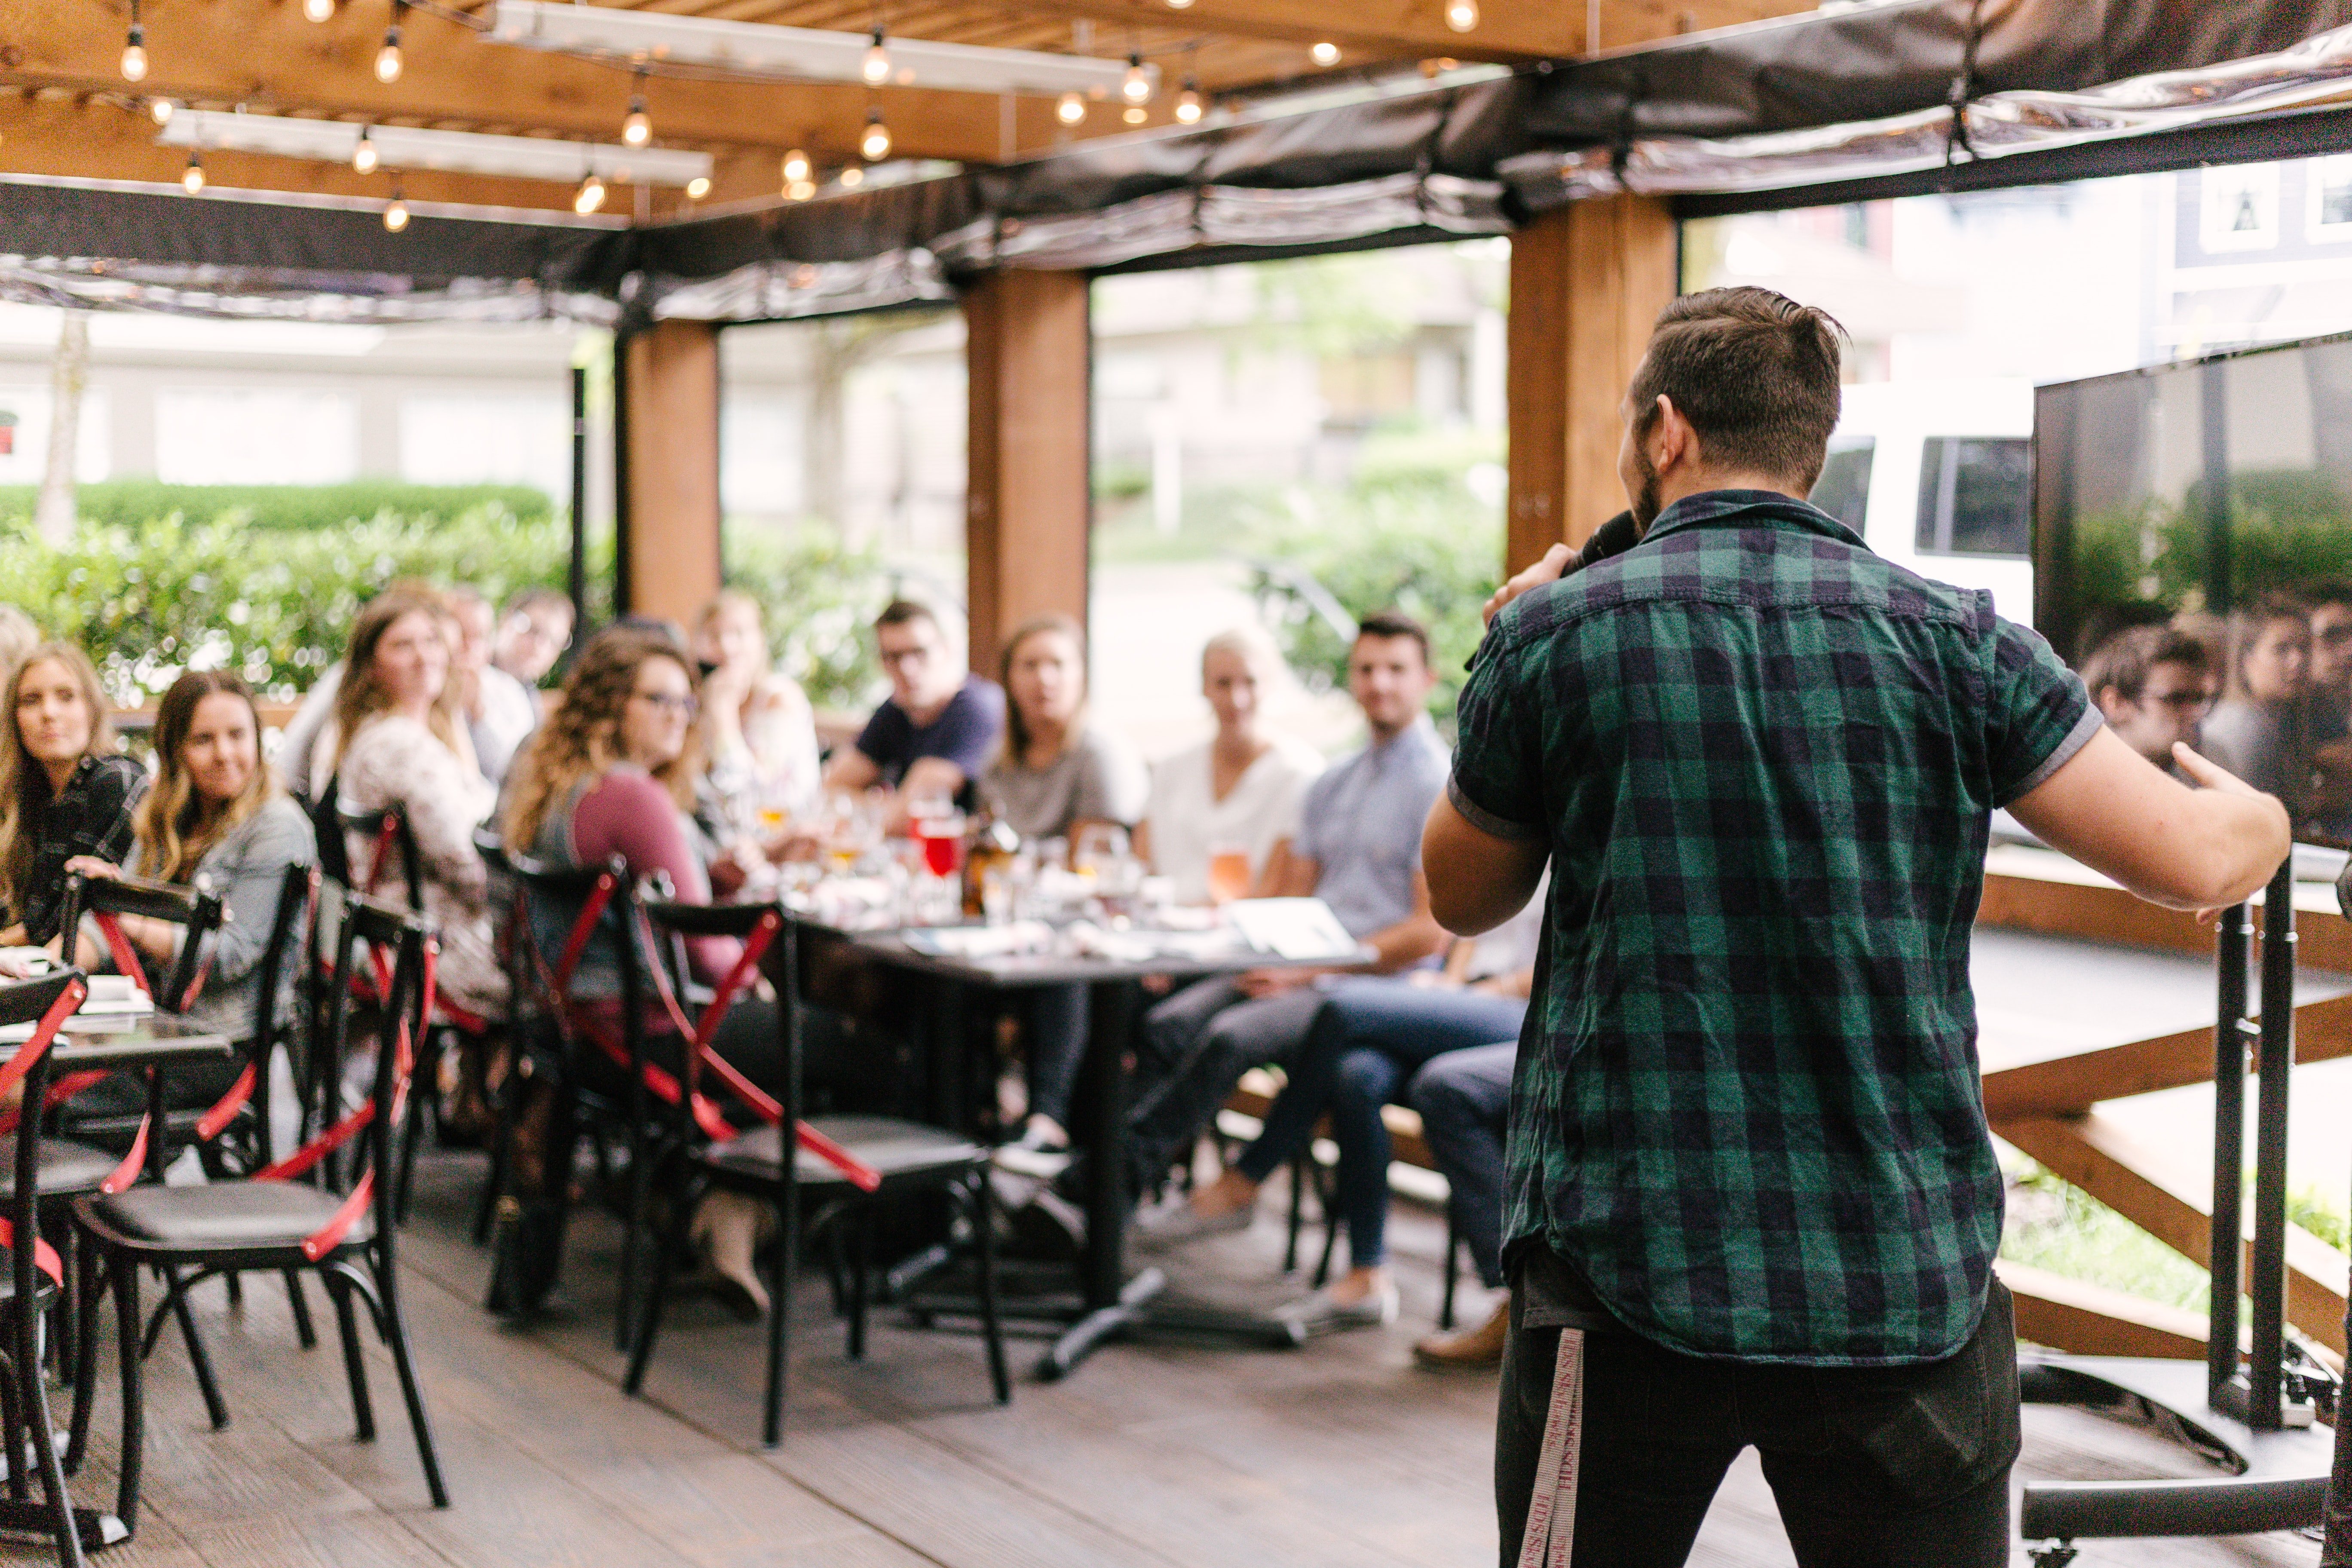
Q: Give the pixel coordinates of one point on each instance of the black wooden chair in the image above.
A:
(854, 1164)
(344, 1229)
(33, 1283)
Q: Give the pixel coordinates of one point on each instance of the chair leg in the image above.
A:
(780, 1307)
(85, 1365)
(362, 1411)
(860, 1266)
(36, 1413)
(634, 1222)
(133, 1373)
(981, 1206)
(15, 1435)
(1299, 1166)
(1453, 1268)
(646, 1320)
(235, 1287)
(395, 1336)
(198, 1357)
(65, 1337)
(298, 1300)
(494, 1185)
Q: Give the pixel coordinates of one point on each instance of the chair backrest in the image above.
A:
(197, 910)
(387, 828)
(43, 1002)
(562, 909)
(670, 925)
(291, 936)
(376, 926)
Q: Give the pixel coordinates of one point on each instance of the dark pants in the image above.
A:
(1194, 1048)
(1464, 1101)
(1367, 1040)
(1054, 1038)
(1873, 1468)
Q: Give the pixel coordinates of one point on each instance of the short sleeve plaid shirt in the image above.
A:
(1764, 760)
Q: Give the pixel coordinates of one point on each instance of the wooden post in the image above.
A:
(667, 436)
(1587, 282)
(1029, 497)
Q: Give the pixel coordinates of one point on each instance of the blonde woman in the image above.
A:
(761, 731)
(613, 773)
(65, 792)
(400, 741)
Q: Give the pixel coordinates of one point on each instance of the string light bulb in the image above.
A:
(1326, 54)
(638, 128)
(1189, 107)
(1135, 114)
(800, 190)
(591, 195)
(395, 212)
(852, 177)
(1070, 109)
(1462, 16)
(1180, 5)
(875, 68)
(161, 110)
(874, 146)
(319, 10)
(134, 55)
(387, 58)
(1136, 85)
(363, 155)
(698, 187)
(191, 178)
(797, 166)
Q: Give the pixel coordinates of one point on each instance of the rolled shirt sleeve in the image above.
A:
(1497, 779)
(2038, 714)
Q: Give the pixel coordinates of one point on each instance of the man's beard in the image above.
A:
(1645, 500)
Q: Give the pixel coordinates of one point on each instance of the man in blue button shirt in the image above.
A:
(1357, 848)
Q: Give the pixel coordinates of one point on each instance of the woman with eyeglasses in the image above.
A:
(613, 773)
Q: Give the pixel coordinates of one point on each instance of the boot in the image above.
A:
(1478, 1347)
(726, 1232)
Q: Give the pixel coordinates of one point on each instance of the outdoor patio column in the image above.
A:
(666, 448)
(1587, 281)
(1028, 498)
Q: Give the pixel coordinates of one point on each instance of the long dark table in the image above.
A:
(151, 1046)
(1109, 1302)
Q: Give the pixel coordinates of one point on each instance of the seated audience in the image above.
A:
(533, 632)
(499, 712)
(1236, 792)
(613, 773)
(2154, 686)
(216, 817)
(2256, 730)
(400, 741)
(66, 793)
(1358, 849)
(1057, 776)
(760, 730)
(936, 729)
(305, 753)
(1369, 1039)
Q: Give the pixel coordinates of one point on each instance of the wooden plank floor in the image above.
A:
(1157, 1456)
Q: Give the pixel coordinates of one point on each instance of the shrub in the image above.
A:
(818, 595)
(132, 503)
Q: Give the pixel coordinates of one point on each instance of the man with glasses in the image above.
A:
(2154, 686)
(939, 726)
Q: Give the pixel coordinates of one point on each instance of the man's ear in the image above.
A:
(1677, 442)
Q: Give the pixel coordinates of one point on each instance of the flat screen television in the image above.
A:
(2214, 496)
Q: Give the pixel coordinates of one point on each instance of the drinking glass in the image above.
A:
(1229, 873)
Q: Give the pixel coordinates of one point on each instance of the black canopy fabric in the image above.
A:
(1877, 99)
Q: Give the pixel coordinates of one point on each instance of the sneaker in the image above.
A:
(1033, 1153)
(1469, 1348)
(1322, 1313)
(1176, 1222)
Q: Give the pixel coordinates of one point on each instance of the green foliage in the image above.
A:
(2060, 1228)
(2286, 527)
(818, 596)
(150, 600)
(131, 503)
(2322, 1215)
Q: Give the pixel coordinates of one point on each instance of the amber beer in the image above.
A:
(1229, 875)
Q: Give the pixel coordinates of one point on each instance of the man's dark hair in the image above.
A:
(2127, 659)
(903, 612)
(2325, 591)
(1755, 372)
(1394, 623)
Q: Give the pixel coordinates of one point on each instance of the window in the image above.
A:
(1843, 488)
(2238, 207)
(1976, 496)
(2328, 182)
(256, 437)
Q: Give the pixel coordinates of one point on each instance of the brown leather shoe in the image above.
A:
(1478, 1347)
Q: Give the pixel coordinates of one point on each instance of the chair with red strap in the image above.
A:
(853, 1162)
(33, 1284)
(343, 1230)
(391, 847)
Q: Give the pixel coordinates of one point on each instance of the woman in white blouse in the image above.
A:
(1236, 793)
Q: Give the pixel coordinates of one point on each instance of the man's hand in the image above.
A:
(1550, 568)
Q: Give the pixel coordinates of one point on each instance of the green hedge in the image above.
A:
(818, 596)
(130, 503)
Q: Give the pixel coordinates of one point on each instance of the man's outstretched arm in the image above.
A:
(2186, 849)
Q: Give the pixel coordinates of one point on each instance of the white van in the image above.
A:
(1938, 475)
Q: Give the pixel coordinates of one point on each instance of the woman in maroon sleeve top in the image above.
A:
(613, 772)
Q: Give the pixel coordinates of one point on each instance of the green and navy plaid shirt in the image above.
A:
(1763, 760)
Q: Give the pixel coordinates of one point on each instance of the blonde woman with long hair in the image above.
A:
(66, 792)
(400, 741)
(613, 772)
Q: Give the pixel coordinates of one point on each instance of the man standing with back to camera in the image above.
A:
(1752, 1199)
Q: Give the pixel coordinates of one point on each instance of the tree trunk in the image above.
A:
(53, 513)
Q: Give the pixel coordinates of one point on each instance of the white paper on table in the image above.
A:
(1301, 929)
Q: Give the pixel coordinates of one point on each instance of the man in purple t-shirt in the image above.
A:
(936, 729)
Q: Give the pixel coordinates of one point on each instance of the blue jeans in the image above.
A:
(1367, 1040)
(1464, 1101)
